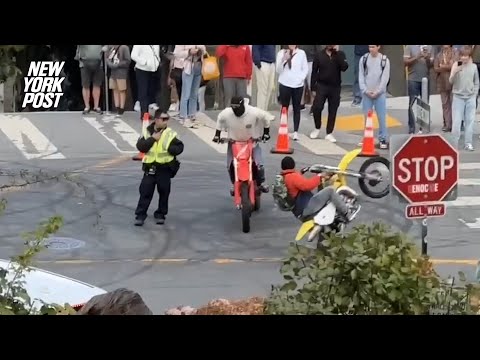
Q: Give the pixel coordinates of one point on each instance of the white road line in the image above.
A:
(469, 166)
(206, 133)
(320, 146)
(125, 131)
(464, 201)
(16, 128)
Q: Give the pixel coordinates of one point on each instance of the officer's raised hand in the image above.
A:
(157, 135)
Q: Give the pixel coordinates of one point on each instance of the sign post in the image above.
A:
(425, 171)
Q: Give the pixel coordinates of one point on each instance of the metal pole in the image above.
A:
(424, 96)
(424, 236)
(105, 69)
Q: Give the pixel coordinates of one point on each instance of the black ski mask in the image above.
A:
(238, 106)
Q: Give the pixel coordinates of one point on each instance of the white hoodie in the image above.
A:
(146, 57)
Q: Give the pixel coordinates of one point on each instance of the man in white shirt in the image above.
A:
(244, 122)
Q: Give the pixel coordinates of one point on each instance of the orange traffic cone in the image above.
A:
(145, 123)
(283, 142)
(368, 144)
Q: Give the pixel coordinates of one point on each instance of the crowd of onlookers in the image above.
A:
(309, 76)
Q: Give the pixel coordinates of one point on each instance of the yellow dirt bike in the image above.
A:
(321, 217)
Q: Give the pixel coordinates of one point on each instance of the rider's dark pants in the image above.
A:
(162, 181)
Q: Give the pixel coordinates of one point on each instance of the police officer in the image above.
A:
(160, 145)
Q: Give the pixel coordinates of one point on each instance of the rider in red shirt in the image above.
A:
(300, 189)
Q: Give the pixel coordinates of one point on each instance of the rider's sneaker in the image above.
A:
(264, 188)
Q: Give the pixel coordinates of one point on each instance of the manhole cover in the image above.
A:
(63, 243)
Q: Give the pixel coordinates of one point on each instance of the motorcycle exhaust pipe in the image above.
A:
(313, 234)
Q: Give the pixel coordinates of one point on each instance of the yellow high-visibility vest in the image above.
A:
(158, 152)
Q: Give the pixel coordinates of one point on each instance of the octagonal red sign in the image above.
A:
(425, 168)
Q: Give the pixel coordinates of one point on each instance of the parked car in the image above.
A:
(52, 288)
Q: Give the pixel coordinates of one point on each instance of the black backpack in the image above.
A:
(383, 64)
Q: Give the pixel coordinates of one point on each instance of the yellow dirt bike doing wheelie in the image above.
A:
(321, 218)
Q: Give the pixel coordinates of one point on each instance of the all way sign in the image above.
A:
(420, 211)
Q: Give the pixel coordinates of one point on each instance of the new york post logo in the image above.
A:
(43, 85)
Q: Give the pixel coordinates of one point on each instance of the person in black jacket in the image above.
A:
(161, 146)
(163, 90)
(327, 69)
(310, 51)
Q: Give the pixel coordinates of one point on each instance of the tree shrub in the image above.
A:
(14, 298)
(372, 270)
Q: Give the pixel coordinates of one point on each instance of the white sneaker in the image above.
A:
(153, 106)
(173, 107)
(315, 134)
(190, 124)
(295, 136)
(137, 106)
(330, 138)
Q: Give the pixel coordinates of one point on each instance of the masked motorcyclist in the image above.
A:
(300, 190)
(243, 122)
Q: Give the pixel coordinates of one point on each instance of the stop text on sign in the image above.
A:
(430, 169)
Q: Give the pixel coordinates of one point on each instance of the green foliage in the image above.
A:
(370, 271)
(14, 299)
(8, 67)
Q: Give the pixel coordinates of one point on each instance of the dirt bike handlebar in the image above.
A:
(228, 140)
(319, 169)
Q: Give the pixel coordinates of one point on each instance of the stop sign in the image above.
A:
(425, 168)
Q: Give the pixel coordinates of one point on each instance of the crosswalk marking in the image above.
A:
(206, 133)
(470, 166)
(468, 182)
(21, 132)
(320, 146)
(464, 201)
(125, 131)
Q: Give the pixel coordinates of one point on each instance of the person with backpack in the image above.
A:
(293, 191)
(373, 80)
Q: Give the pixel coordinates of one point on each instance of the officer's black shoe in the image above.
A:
(264, 188)
(139, 222)
(160, 220)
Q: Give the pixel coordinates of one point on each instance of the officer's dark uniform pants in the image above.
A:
(161, 180)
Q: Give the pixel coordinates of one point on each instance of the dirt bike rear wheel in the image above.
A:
(246, 207)
(362, 183)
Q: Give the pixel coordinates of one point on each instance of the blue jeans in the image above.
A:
(190, 86)
(414, 90)
(380, 106)
(463, 110)
(357, 95)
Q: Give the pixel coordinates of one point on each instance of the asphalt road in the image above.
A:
(200, 253)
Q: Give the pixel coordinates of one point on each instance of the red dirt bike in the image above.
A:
(246, 192)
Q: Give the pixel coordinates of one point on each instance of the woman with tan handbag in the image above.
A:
(192, 56)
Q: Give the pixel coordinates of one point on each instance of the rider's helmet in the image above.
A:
(238, 105)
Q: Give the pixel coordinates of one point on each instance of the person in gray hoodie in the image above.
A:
(373, 77)
(465, 84)
(92, 74)
(118, 61)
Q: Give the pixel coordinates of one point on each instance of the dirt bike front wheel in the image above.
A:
(246, 207)
(366, 185)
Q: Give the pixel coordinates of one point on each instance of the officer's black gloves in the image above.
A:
(258, 65)
(266, 134)
(216, 138)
